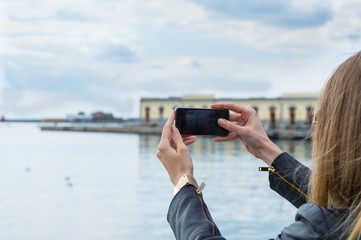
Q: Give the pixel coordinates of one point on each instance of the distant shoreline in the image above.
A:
(156, 129)
(21, 121)
(124, 129)
(139, 127)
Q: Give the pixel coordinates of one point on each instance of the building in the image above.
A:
(80, 117)
(287, 111)
(100, 116)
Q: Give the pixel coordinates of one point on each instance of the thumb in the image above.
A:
(177, 138)
(230, 126)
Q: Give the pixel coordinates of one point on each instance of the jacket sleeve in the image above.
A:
(289, 178)
(189, 217)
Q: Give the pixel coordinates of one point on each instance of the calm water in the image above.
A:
(67, 185)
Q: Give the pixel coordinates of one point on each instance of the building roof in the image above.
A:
(285, 96)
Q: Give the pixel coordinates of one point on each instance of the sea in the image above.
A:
(92, 186)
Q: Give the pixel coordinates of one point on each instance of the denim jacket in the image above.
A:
(190, 218)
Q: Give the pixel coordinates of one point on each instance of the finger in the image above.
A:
(185, 138)
(189, 142)
(167, 129)
(234, 107)
(172, 144)
(230, 126)
(230, 137)
(234, 117)
(188, 136)
(177, 138)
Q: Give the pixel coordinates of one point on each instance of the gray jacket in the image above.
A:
(189, 217)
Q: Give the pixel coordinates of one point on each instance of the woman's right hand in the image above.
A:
(249, 130)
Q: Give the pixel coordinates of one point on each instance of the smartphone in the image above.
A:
(200, 121)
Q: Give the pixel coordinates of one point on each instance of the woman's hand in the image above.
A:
(188, 140)
(249, 130)
(173, 152)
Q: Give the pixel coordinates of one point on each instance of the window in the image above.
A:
(309, 116)
(161, 112)
(292, 115)
(147, 115)
(255, 108)
(272, 110)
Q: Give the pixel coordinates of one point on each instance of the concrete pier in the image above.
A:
(157, 130)
(138, 129)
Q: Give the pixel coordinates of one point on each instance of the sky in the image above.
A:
(61, 57)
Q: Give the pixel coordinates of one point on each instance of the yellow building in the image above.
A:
(287, 110)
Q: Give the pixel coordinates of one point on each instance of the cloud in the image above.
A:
(285, 26)
(156, 66)
(76, 51)
(43, 104)
(66, 15)
(116, 53)
(22, 76)
(3, 81)
(221, 75)
(189, 63)
(273, 12)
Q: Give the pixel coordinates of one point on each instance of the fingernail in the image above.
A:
(221, 121)
(175, 130)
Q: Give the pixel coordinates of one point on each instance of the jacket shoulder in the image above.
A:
(314, 221)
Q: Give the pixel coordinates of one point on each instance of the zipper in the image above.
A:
(273, 170)
(199, 192)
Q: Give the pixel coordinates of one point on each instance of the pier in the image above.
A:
(125, 129)
(156, 129)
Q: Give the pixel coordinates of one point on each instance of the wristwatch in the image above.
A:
(185, 180)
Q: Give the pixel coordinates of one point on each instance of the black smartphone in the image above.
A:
(200, 121)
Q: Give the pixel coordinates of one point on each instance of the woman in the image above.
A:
(328, 197)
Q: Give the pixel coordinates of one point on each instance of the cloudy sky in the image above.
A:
(61, 57)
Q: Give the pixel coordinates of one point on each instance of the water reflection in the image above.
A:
(300, 149)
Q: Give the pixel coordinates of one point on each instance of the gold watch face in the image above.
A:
(184, 180)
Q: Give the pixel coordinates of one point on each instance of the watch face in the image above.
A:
(183, 180)
(181, 183)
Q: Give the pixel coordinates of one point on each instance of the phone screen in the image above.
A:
(200, 121)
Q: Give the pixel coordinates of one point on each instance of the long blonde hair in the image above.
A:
(336, 167)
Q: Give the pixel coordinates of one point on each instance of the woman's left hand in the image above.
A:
(173, 152)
